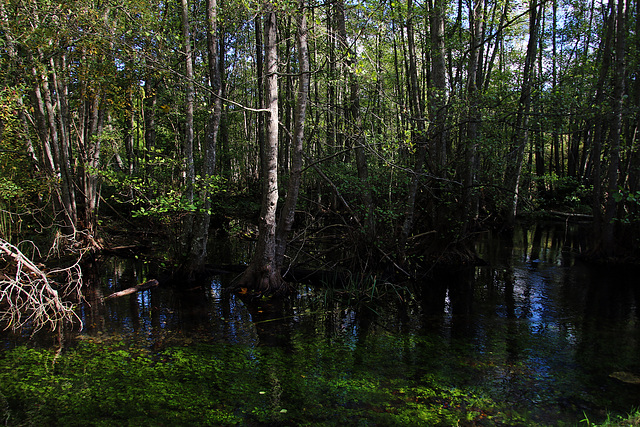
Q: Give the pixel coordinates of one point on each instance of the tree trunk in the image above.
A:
(598, 126)
(608, 238)
(150, 103)
(419, 137)
(189, 166)
(262, 273)
(202, 220)
(288, 210)
(260, 77)
(42, 129)
(190, 90)
(132, 290)
(354, 126)
(497, 39)
(129, 131)
(470, 204)
(438, 90)
(520, 133)
(61, 156)
(92, 163)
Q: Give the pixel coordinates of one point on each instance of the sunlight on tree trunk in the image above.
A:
(287, 215)
(262, 273)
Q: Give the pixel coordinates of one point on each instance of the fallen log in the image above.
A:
(137, 288)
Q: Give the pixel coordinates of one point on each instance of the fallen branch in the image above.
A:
(30, 297)
(571, 215)
(140, 287)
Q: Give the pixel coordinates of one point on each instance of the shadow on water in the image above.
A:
(535, 328)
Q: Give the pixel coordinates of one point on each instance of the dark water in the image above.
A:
(535, 327)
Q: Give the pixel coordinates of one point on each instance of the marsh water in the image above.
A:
(535, 328)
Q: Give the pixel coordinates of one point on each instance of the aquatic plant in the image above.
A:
(111, 383)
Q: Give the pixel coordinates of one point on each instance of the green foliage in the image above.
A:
(388, 188)
(117, 61)
(630, 420)
(630, 203)
(8, 189)
(20, 185)
(316, 383)
(565, 192)
(156, 197)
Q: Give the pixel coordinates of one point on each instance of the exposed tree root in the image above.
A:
(29, 297)
(262, 281)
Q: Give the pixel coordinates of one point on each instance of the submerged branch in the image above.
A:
(132, 290)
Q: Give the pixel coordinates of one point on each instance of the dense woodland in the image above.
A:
(405, 126)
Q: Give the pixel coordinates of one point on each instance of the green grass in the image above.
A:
(630, 420)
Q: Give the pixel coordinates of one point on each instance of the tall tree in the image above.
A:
(520, 136)
(189, 177)
(418, 132)
(202, 221)
(287, 214)
(599, 121)
(616, 128)
(262, 273)
(438, 95)
(476, 18)
(353, 124)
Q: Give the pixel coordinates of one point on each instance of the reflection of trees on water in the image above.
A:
(543, 317)
(272, 320)
(201, 310)
(535, 315)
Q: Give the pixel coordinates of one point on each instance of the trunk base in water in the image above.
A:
(261, 281)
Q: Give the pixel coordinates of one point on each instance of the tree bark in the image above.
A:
(262, 273)
(66, 192)
(418, 130)
(616, 127)
(470, 204)
(132, 290)
(287, 215)
(520, 137)
(190, 91)
(188, 158)
(202, 220)
(438, 90)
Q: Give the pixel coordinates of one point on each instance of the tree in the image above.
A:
(599, 123)
(417, 113)
(190, 174)
(616, 128)
(520, 136)
(469, 199)
(287, 215)
(262, 273)
(407, 135)
(200, 230)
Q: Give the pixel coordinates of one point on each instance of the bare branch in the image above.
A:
(28, 295)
